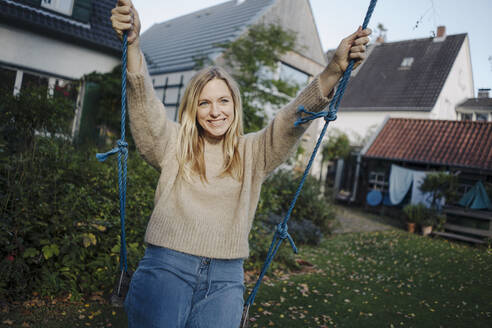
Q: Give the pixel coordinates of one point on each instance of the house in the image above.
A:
(476, 109)
(463, 148)
(422, 78)
(172, 47)
(54, 43)
(422, 146)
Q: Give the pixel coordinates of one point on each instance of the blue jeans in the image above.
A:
(174, 289)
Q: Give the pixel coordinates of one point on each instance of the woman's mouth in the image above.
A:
(217, 122)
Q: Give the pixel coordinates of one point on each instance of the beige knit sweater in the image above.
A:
(209, 219)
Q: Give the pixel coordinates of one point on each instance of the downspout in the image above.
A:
(363, 152)
(357, 172)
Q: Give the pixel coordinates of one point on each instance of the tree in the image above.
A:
(440, 185)
(337, 146)
(250, 58)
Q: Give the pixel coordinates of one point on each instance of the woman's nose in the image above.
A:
(214, 110)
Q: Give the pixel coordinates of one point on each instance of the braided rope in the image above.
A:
(122, 150)
(281, 232)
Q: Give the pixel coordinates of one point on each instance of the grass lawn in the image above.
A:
(378, 279)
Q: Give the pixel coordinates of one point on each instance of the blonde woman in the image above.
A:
(210, 179)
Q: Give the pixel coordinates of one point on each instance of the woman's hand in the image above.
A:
(124, 17)
(352, 47)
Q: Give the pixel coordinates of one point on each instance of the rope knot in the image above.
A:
(122, 144)
(122, 147)
(282, 232)
(330, 116)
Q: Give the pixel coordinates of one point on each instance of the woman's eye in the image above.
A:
(224, 100)
(203, 103)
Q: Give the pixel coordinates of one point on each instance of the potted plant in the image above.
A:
(415, 215)
(428, 222)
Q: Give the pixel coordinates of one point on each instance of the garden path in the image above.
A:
(352, 220)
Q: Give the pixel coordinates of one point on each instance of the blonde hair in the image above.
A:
(190, 148)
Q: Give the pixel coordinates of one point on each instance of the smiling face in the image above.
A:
(215, 108)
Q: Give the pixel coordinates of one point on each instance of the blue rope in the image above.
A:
(281, 232)
(122, 151)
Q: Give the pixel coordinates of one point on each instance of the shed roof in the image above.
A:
(439, 142)
(97, 32)
(174, 45)
(383, 83)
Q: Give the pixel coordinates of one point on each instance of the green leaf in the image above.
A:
(30, 252)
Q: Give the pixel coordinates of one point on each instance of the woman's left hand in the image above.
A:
(352, 47)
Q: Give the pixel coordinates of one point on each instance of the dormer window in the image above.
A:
(64, 7)
(406, 63)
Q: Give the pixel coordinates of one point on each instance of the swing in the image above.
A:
(281, 233)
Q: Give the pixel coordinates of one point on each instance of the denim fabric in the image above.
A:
(174, 289)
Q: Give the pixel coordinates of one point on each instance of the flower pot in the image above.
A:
(426, 230)
(411, 227)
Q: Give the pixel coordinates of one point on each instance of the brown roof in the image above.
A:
(451, 143)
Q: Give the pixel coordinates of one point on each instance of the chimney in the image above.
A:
(441, 31)
(380, 39)
(483, 93)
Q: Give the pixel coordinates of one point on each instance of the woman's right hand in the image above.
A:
(124, 17)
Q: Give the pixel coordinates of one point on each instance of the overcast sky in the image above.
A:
(337, 18)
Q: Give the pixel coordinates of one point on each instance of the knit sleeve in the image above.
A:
(274, 144)
(150, 127)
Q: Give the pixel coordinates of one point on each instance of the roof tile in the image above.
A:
(439, 142)
(382, 84)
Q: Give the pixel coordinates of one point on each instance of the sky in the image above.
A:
(403, 19)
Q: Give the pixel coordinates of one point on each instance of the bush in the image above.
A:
(60, 219)
(278, 191)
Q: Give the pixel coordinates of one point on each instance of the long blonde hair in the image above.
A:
(190, 151)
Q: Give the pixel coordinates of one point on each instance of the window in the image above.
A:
(378, 180)
(482, 117)
(61, 6)
(406, 63)
(466, 116)
(7, 80)
(34, 81)
(290, 74)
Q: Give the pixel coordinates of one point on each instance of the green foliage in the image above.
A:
(440, 185)
(29, 112)
(337, 146)
(312, 217)
(416, 213)
(424, 216)
(256, 52)
(108, 109)
(277, 193)
(60, 227)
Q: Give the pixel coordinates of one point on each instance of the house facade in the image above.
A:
(476, 109)
(422, 79)
(54, 43)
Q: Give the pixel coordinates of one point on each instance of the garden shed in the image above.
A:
(461, 148)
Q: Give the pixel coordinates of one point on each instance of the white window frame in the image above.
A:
(64, 7)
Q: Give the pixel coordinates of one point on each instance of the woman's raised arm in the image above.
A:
(151, 129)
(274, 144)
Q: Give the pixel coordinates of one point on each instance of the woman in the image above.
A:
(209, 185)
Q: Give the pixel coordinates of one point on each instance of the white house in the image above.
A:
(55, 42)
(423, 78)
(420, 79)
